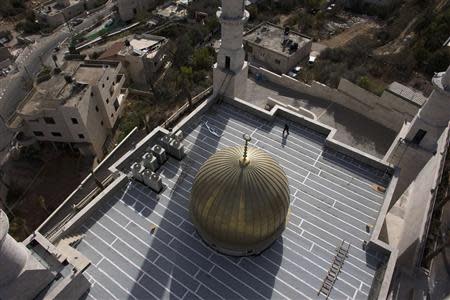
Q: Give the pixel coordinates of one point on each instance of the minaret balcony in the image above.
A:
(233, 20)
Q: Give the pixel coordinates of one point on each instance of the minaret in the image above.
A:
(231, 69)
(22, 276)
(434, 116)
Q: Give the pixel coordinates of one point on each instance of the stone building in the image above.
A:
(59, 11)
(78, 107)
(141, 55)
(128, 9)
(277, 49)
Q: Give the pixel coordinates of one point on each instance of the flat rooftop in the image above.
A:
(270, 36)
(57, 91)
(144, 45)
(333, 198)
(352, 128)
(89, 74)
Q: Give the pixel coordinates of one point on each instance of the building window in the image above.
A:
(49, 120)
(419, 137)
(38, 133)
(74, 120)
(112, 115)
(81, 136)
(103, 85)
(277, 61)
(92, 94)
(101, 123)
(107, 78)
(58, 134)
(96, 108)
(227, 62)
(116, 105)
(107, 100)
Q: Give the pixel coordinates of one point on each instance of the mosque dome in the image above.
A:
(239, 202)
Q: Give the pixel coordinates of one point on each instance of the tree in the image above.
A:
(29, 25)
(185, 81)
(42, 204)
(202, 59)
(364, 82)
(438, 61)
(183, 52)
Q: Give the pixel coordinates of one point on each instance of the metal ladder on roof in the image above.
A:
(335, 269)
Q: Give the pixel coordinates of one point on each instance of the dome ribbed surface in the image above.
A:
(240, 209)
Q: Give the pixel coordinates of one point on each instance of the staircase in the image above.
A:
(335, 269)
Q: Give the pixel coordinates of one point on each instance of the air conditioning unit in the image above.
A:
(165, 141)
(136, 170)
(149, 161)
(178, 136)
(176, 149)
(160, 154)
(152, 180)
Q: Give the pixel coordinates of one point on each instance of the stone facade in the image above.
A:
(82, 117)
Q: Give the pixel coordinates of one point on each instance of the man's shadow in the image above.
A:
(284, 135)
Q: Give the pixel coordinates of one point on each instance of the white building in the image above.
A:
(79, 107)
(142, 56)
(277, 49)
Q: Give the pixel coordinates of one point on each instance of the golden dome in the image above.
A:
(239, 205)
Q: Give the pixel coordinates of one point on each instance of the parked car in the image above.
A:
(76, 21)
(312, 58)
(295, 71)
(109, 22)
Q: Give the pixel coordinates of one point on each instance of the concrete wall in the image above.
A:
(37, 123)
(76, 129)
(421, 198)
(388, 110)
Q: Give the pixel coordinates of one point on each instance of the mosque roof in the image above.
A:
(144, 245)
(239, 205)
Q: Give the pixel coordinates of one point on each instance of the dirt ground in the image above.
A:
(346, 36)
(41, 185)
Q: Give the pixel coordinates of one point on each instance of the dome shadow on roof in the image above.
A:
(239, 206)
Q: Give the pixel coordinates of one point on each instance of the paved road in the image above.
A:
(15, 87)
